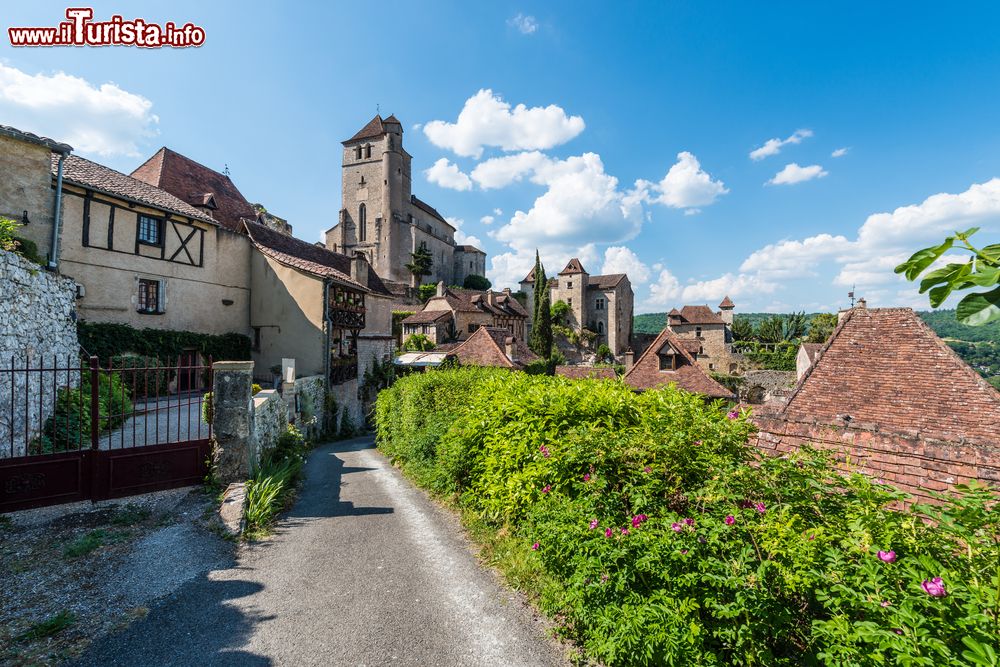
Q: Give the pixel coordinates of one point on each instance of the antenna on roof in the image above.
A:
(378, 109)
(851, 295)
(225, 170)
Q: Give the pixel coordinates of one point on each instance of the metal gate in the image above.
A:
(73, 430)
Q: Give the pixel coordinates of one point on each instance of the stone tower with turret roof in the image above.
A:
(381, 218)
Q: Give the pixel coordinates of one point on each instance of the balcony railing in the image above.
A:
(343, 370)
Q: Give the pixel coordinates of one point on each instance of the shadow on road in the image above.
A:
(325, 472)
(194, 623)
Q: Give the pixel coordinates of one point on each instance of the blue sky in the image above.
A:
(632, 151)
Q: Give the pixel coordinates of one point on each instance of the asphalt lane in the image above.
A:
(364, 570)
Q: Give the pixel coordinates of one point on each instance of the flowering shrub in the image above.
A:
(661, 537)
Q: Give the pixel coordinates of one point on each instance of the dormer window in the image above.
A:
(668, 361)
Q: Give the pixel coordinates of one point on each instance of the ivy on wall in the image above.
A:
(106, 339)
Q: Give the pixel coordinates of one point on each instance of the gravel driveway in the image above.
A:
(364, 570)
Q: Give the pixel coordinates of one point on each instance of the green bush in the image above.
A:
(658, 535)
(109, 339)
(475, 282)
(69, 426)
(418, 342)
(144, 376)
(270, 488)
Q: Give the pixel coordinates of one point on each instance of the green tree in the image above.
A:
(795, 326)
(540, 341)
(418, 343)
(604, 354)
(421, 263)
(426, 292)
(771, 330)
(742, 329)
(821, 327)
(477, 283)
(560, 312)
(981, 270)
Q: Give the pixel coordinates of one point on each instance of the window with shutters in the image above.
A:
(150, 297)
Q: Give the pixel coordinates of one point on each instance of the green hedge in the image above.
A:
(107, 340)
(650, 529)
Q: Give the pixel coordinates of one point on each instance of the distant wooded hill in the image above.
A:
(978, 346)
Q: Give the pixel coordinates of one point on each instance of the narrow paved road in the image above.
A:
(364, 570)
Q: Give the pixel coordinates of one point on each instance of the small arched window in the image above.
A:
(368, 150)
(600, 327)
(357, 153)
(362, 220)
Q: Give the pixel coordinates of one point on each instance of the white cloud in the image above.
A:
(867, 262)
(487, 219)
(840, 152)
(793, 173)
(525, 24)
(448, 175)
(620, 259)
(416, 126)
(499, 172)
(104, 119)
(687, 185)
(774, 146)
(497, 211)
(665, 290)
(487, 120)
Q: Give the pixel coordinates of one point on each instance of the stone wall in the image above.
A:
(914, 464)
(37, 329)
(26, 187)
(270, 419)
(311, 396)
(760, 386)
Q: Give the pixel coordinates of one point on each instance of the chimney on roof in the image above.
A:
(359, 269)
(862, 303)
(440, 288)
(629, 359)
(509, 347)
(491, 297)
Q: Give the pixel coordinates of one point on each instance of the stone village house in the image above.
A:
(707, 335)
(455, 314)
(601, 304)
(183, 260)
(667, 360)
(381, 218)
(893, 400)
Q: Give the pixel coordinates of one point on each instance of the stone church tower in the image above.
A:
(381, 218)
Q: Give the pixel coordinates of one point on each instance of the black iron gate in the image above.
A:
(76, 430)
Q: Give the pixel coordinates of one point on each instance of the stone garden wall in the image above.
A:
(270, 419)
(37, 329)
(311, 397)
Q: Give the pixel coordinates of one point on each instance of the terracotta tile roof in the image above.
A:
(689, 376)
(51, 144)
(469, 248)
(310, 258)
(885, 368)
(585, 372)
(487, 347)
(392, 119)
(573, 266)
(83, 172)
(428, 317)
(695, 315)
(609, 281)
(374, 128)
(191, 181)
(727, 303)
(477, 301)
(530, 278)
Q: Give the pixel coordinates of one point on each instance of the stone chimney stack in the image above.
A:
(491, 297)
(629, 359)
(359, 269)
(440, 288)
(862, 303)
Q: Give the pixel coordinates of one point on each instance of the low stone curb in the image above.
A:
(231, 509)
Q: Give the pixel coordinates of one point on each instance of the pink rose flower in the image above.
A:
(546, 488)
(586, 476)
(730, 519)
(760, 507)
(886, 603)
(733, 414)
(608, 533)
(887, 556)
(934, 587)
(534, 547)
(593, 524)
(624, 531)
(647, 470)
(676, 527)
(689, 522)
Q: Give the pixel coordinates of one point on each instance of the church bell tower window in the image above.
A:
(362, 220)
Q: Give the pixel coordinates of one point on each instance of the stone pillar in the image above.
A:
(232, 419)
(288, 386)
